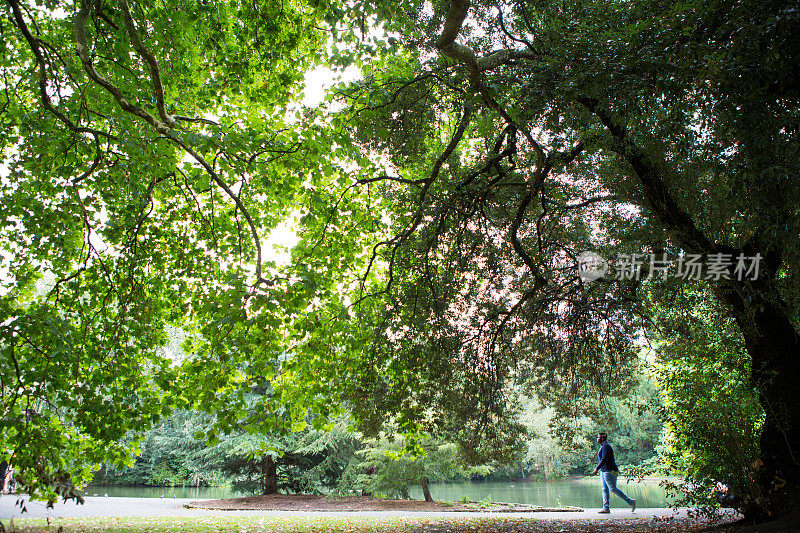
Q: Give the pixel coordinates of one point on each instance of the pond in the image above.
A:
(199, 493)
(575, 492)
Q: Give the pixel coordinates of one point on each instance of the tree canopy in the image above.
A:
(149, 149)
(444, 200)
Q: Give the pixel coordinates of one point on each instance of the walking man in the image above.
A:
(608, 474)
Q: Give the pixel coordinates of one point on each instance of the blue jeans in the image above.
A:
(609, 480)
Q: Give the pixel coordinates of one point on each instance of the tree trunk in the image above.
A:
(270, 476)
(365, 491)
(774, 348)
(425, 490)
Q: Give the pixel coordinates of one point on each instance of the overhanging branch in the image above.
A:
(447, 45)
(34, 45)
(656, 192)
(145, 54)
(398, 240)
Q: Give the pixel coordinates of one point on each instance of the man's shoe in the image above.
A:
(633, 505)
(603, 511)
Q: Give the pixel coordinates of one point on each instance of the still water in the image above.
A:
(199, 493)
(574, 492)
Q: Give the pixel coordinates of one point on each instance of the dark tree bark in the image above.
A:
(270, 476)
(425, 490)
(774, 348)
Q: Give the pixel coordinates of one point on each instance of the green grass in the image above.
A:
(253, 524)
(355, 524)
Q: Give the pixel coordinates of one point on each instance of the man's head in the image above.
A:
(601, 438)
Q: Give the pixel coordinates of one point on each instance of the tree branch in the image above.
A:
(82, 50)
(162, 127)
(397, 240)
(503, 57)
(33, 44)
(198, 119)
(145, 54)
(508, 34)
(398, 179)
(656, 193)
(447, 45)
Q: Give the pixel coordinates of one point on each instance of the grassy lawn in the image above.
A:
(251, 524)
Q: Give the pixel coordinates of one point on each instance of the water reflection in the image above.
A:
(198, 493)
(574, 492)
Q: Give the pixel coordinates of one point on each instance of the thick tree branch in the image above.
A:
(503, 57)
(200, 120)
(661, 202)
(82, 50)
(514, 232)
(145, 54)
(447, 45)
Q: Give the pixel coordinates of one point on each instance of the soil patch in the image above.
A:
(314, 502)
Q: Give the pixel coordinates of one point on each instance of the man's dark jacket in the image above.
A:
(605, 459)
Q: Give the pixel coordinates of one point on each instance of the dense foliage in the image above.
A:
(532, 132)
(341, 460)
(147, 149)
(713, 414)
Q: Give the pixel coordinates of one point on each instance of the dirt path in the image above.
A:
(316, 502)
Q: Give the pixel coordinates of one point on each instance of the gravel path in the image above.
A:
(119, 507)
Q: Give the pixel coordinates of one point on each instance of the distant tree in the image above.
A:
(169, 454)
(548, 453)
(636, 422)
(299, 462)
(387, 467)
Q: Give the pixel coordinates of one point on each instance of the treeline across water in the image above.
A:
(337, 458)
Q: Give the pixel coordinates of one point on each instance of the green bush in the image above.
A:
(713, 416)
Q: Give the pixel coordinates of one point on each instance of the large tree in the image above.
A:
(148, 148)
(515, 135)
